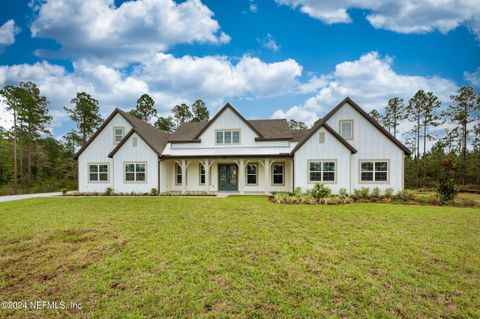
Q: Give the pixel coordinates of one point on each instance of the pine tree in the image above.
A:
(181, 114)
(200, 112)
(394, 114)
(85, 113)
(297, 125)
(165, 123)
(464, 110)
(430, 119)
(415, 108)
(145, 109)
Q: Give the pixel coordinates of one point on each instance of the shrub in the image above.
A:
(361, 194)
(154, 192)
(388, 193)
(342, 193)
(320, 191)
(281, 197)
(406, 196)
(376, 193)
(298, 191)
(446, 190)
(64, 191)
(108, 191)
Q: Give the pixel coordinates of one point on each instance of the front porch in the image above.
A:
(227, 175)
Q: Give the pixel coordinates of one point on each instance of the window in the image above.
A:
(134, 141)
(322, 137)
(202, 174)
(252, 170)
(98, 172)
(227, 137)
(135, 172)
(117, 134)
(321, 171)
(374, 171)
(178, 174)
(346, 129)
(278, 173)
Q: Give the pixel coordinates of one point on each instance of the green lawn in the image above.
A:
(153, 257)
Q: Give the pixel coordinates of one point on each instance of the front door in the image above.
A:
(227, 177)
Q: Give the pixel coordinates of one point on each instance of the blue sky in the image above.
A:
(271, 58)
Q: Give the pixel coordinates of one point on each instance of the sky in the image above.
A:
(292, 59)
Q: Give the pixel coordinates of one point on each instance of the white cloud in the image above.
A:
(269, 42)
(473, 78)
(252, 6)
(168, 79)
(370, 81)
(7, 33)
(99, 31)
(409, 16)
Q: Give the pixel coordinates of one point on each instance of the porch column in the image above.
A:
(206, 165)
(266, 168)
(241, 177)
(184, 176)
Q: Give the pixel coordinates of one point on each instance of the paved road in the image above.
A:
(18, 197)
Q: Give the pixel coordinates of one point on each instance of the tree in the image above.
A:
(35, 117)
(12, 96)
(394, 114)
(181, 114)
(446, 190)
(165, 123)
(464, 110)
(297, 125)
(430, 119)
(376, 116)
(85, 113)
(145, 109)
(415, 108)
(200, 112)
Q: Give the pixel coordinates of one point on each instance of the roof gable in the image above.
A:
(368, 118)
(154, 137)
(227, 106)
(304, 135)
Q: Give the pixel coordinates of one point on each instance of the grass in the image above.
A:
(149, 257)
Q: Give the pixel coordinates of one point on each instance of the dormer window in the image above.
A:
(227, 137)
(118, 134)
(346, 129)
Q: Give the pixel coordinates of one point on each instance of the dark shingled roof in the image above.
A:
(187, 131)
(270, 130)
(300, 134)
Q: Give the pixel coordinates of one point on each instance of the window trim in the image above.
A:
(322, 181)
(123, 134)
(175, 174)
(223, 136)
(320, 134)
(373, 161)
(256, 174)
(135, 173)
(272, 175)
(99, 181)
(340, 122)
(200, 165)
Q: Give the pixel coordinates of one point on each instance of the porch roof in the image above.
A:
(227, 152)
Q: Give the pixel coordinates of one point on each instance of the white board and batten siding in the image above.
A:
(331, 150)
(97, 153)
(371, 144)
(141, 153)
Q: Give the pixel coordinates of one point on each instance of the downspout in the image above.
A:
(159, 166)
(350, 175)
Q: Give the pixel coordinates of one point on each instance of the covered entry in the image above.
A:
(228, 177)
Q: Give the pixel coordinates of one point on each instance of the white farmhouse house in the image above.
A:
(345, 149)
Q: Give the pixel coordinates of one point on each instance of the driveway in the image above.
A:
(18, 197)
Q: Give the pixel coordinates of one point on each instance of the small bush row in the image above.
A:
(153, 192)
(321, 194)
